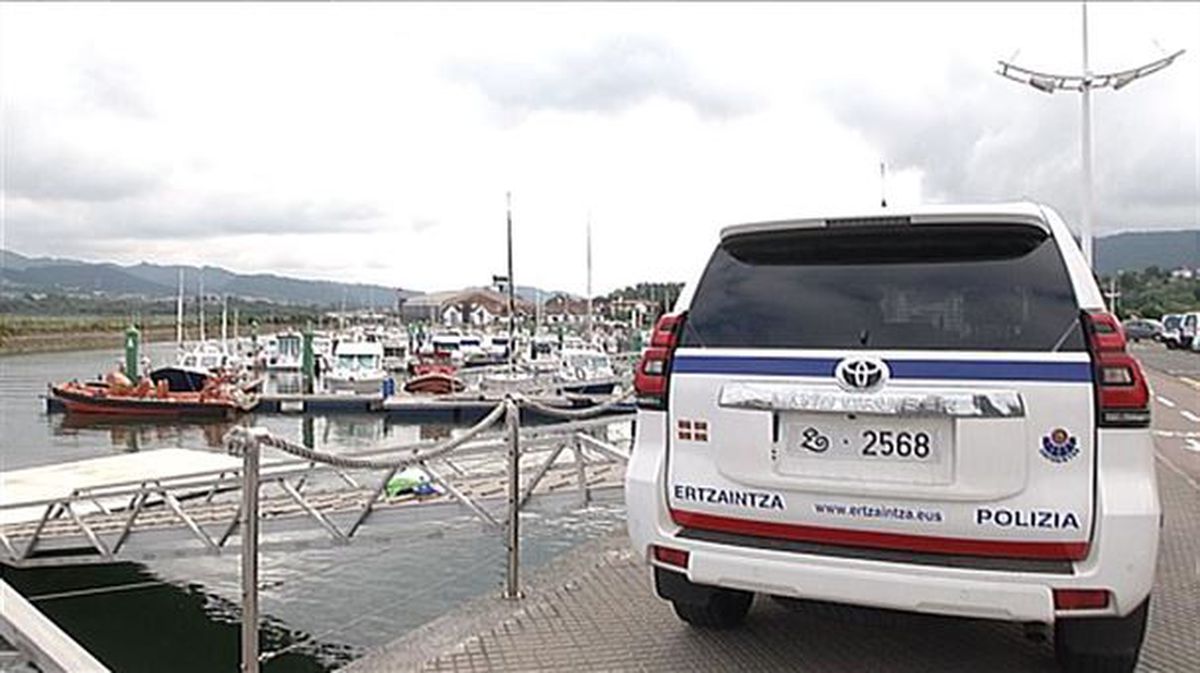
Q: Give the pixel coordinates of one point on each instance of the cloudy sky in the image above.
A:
(375, 142)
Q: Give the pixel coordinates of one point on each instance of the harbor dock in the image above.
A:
(593, 608)
(596, 611)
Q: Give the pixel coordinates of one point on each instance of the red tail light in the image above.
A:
(1080, 599)
(650, 377)
(674, 557)
(1122, 395)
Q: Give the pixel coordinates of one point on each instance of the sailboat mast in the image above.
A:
(202, 337)
(179, 312)
(589, 276)
(512, 304)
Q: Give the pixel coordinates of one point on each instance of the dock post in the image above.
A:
(250, 558)
(308, 361)
(512, 419)
(133, 343)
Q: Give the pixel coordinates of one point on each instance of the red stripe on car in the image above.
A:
(1071, 551)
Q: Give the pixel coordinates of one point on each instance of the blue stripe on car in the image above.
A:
(993, 370)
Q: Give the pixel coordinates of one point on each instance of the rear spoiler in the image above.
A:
(899, 220)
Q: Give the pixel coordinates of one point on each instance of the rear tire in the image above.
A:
(701, 605)
(1100, 644)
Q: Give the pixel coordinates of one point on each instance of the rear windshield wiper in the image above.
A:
(1071, 327)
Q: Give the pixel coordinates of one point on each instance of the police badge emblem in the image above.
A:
(1059, 446)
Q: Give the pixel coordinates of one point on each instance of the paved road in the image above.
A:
(1171, 362)
(1175, 384)
(599, 612)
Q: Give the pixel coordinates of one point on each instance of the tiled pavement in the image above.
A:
(606, 618)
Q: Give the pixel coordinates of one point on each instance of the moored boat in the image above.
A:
(434, 383)
(357, 367)
(586, 371)
(117, 396)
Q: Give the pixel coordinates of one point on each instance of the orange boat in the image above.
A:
(418, 369)
(436, 383)
(117, 396)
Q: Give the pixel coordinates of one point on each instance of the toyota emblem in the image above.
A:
(861, 374)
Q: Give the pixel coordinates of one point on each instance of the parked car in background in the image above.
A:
(1170, 331)
(1137, 329)
(1189, 329)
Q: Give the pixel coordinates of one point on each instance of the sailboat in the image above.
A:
(196, 367)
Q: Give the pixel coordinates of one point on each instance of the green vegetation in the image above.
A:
(32, 322)
(1153, 292)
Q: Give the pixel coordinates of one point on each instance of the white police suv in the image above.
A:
(927, 411)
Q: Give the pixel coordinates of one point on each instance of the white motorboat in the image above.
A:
(586, 370)
(474, 353)
(395, 354)
(497, 348)
(357, 367)
(447, 347)
(195, 366)
(284, 352)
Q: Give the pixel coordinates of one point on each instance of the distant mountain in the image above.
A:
(44, 274)
(1134, 251)
(84, 278)
(11, 260)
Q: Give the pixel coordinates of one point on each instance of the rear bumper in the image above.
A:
(1121, 557)
(870, 584)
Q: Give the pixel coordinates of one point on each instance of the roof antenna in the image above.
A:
(882, 185)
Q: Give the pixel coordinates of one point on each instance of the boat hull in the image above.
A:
(361, 386)
(603, 388)
(434, 383)
(89, 402)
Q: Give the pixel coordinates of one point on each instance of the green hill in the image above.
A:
(19, 273)
(1134, 251)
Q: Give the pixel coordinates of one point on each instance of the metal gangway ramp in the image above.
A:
(309, 499)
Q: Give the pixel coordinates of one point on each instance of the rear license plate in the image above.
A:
(865, 447)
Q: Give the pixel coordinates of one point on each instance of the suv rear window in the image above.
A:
(988, 287)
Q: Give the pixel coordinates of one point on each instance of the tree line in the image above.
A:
(1152, 292)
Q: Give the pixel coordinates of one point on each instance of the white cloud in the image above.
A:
(376, 142)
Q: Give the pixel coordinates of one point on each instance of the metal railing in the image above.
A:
(248, 443)
(39, 640)
(103, 520)
(97, 524)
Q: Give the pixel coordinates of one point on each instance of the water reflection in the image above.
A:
(127, 435)
(435, 432)
(285, 383)
(339, 431)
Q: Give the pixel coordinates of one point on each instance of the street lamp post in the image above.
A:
(512, 304)
(1084, 84)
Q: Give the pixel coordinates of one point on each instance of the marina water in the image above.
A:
(321, 607)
